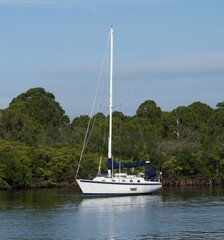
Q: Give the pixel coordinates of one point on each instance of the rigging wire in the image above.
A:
(105, 127)
(133, 106)
(97, 110)
(86, 135)
(104, 141)
(119, 132)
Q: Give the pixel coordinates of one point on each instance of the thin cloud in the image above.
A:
(27, 2)
(77, 70)
(93, 5)
(197, 64)
(85, 4)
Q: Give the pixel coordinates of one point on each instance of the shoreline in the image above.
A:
(165, 183)
(43, 185)
(192, 182)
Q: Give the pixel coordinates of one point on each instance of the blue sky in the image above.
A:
(170, 51)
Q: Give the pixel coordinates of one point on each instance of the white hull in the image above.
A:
(93, 187)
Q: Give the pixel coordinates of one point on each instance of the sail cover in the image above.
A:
(114, 165)
(150, 173)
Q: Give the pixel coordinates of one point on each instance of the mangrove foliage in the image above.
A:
(40, 145)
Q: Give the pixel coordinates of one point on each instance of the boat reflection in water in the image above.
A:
(113, 217)
(138, 201)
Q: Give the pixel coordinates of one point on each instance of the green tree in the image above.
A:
(192, 124)
(19, 127)
(78, 129)
(15, 164)
(170, 168)
(149, 110)
(216, 127)
(53, 165)
(202, 110)
(220, 105)
(41, 107)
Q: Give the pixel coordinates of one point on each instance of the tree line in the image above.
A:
(40, 145)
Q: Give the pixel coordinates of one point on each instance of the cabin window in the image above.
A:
(123, 180)
(138, 180)
(131, 180)
(113, 180)
(103, 180)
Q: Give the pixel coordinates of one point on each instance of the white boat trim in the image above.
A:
(122, 183)
(116, 186)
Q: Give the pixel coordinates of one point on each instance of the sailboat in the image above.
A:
(119, 183)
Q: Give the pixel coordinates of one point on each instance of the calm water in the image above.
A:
(173, 213)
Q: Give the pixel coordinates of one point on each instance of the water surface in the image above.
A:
(172, 213)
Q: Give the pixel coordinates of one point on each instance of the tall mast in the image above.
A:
(110, 101)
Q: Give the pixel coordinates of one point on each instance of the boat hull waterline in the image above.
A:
(91, 187)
